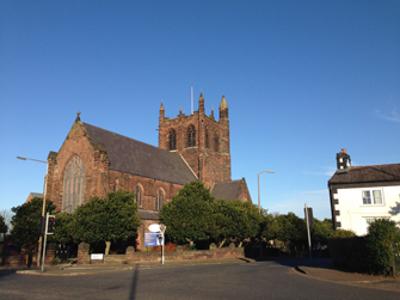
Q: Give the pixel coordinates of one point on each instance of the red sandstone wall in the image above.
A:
(128, 182)
(210, 166)
(94, 161)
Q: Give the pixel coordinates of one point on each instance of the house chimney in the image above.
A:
(343, 160)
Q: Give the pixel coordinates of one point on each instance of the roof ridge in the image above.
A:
(377, 165)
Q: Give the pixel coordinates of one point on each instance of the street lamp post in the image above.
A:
(40, 241)
(258, 185)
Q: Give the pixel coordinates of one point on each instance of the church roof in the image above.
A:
(367, 174)
(131, 156)
(233, 190)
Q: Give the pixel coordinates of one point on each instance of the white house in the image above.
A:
(361, 194)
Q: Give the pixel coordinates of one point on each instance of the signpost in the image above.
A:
(48, 230)
(309, 220)
(156, 237)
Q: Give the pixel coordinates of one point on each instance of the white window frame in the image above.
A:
(371, 192)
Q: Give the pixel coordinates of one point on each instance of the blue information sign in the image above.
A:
(151, 239)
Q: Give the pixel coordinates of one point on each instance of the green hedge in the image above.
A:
(383, 246)
(376, 253)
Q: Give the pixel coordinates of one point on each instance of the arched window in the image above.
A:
(160, 197)
(206, 139)
(172, 139)
(191, 136)
(139, 195)
(73, 185)
(216, 143)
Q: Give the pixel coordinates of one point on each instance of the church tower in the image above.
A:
(201, 140)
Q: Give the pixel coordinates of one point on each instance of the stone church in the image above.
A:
(93, 162)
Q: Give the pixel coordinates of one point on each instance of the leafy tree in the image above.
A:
(189, 216)
(236, 221)
(3, 225)
(6, 215)
(269, 227)
(321, 231)
(293, 232)
(289, 229)
(26, 223)
(64, 229)
(111, 219)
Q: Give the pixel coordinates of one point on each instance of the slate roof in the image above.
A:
(366, 174)
(228, 190)
(131, 156)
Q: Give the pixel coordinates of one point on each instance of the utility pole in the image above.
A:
(40, 241)
(306, 212)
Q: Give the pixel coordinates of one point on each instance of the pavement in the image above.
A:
(349, 278)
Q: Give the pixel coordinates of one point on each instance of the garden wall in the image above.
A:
(153, 255)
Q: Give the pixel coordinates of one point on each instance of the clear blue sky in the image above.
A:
(302, 78)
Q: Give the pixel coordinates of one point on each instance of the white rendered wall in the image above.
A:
(354, 214)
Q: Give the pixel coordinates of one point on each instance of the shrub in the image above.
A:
(382, 246)
(375, 253)
(341, 233)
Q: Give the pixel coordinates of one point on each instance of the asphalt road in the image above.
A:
(262, 280)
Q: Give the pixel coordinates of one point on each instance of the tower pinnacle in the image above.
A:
(224, 103)
(201, 103)
(162, 111)
(223, 108)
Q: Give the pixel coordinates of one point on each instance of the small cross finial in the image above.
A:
(78, 116)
